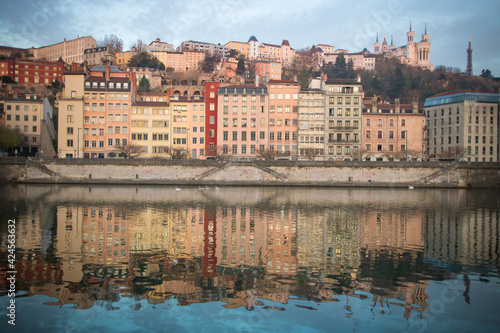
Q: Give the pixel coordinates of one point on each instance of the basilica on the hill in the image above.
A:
(413, 53)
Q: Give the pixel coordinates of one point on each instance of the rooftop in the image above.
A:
(460, 97)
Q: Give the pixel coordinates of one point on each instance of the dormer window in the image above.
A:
(111, 85)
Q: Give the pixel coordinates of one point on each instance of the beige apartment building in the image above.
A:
(31, 115)
(343, 102)
(311, 121)
(180, 61)
(463, 125)
(150, 128)
(283, 118)
(69, 50)
(70, 122)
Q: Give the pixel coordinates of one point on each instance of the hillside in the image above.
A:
(392, 80)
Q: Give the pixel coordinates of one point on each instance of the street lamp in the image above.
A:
(78, 143)
(406, 145)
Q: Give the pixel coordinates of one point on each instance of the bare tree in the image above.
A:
(130, 150)
(112, 41)
(267, 154)
(312, 153)
(219, 153)
(454, 153)
(359, 154)
(178, 154)
(138, 45)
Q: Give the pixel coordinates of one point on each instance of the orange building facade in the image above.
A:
(392, 132)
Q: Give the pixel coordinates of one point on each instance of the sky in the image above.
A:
(351, 25)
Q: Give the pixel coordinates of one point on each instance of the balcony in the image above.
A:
(343, 128)
(344, 141)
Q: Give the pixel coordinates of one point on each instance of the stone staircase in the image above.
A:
(433, 175)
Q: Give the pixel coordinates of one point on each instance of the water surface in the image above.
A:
(257, 259)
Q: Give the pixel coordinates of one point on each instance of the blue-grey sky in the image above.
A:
(344, 24)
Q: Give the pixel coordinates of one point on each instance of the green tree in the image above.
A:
(397, 84)
(340, 67)
(233, 53)
(144, 85)
(9, 138)
(144, 59)
(303, 76)
(486, 73)
(350, 69)
(240, 69)
(209, 64)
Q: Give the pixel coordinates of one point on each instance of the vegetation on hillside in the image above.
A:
(391, 79)
(144, 59)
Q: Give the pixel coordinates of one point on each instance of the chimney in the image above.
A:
(415, 105)
(85, 63)
(257, 80)
(374, 104)
(107, 72)
(397, 106)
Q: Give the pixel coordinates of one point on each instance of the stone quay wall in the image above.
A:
(255, 173)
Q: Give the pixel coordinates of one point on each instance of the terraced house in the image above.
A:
(106, 114)
(343, 100)
(242, 121)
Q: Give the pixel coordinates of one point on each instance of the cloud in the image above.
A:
(352, 25)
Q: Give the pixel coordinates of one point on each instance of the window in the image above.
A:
(69, 143)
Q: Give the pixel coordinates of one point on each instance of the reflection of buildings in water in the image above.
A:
(463, 236)
(149, 230)
(329, 240)
(241, 237)
(387, 229)
(69, 241)
(65, 293)
(106, 235)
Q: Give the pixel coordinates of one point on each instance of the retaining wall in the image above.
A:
(259, 173)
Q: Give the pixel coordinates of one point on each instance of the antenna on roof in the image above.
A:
(410, 25)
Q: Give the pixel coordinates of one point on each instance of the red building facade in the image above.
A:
(211, 90)
(32, 71)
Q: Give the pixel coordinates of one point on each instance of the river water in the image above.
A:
(248, 259)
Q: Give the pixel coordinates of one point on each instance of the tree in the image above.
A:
(138, 45)
(144, 85)
(340, 67)
(233, 53)
(220, 153)
(7, 79)
(456, 153)
(9, 138)
(178, 154)
(240, 69)
(144, 59)
(130, 150)
(112, 41)
(209, 64)
(486, 73)
(267, 154)
(397, 84)
(350, 69)
(312, 153)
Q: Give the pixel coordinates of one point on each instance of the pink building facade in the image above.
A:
(242, 121)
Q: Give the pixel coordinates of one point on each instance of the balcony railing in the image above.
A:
(343, 128)
(343, 141)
